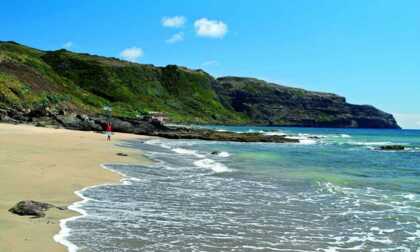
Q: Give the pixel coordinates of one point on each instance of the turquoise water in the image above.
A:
(334, 191)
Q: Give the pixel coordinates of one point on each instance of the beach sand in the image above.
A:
(48, 165)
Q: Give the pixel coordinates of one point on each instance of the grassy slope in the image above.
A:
(82, 82)
(31, 78)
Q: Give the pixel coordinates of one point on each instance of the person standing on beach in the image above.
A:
(108, 131)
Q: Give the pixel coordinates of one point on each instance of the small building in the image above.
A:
(158, 116)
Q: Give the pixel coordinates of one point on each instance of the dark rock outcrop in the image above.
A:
(272, 104)
(202, 134)
(62, 119)
(32, 208)
(392, 148)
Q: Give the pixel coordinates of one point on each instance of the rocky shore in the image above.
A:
(47, 117)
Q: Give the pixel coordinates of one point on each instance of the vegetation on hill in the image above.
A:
(83, 83)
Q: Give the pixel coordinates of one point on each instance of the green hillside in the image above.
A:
(30, 78)
(58, 81)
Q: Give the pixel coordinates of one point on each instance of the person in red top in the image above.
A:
(108, 131)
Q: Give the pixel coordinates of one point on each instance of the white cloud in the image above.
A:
(210, 63)
(132, 54)
(210, 28)
(175, 22)
(177, 37)
(408, 121)
(67, 45)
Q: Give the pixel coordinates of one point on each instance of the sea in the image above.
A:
(335, 190)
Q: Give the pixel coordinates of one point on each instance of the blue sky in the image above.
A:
(367, 51)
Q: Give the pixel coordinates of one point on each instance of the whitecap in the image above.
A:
(274, 133)
(187, 152)
(375, 143)
(345, 136)
(303, 140)
(158, 143)
(409, 196)
(223, 154)
(307, 141)
(211, 164)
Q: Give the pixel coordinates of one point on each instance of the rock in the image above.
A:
(84, 122)
(39, 124)
(204, 134)
(314, 137)
(78, 121)
(122, 154)
(156, 123)
(215, 152)
(392, 147)
(31, 208)
(8, 119)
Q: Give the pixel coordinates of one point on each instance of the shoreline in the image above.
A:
(64, 232)
(53, 166)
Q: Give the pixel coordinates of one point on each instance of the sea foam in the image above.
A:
(211, 164)
(188, 152)
(62, 236)
(65, 231)
(224, 154)
(303, 139)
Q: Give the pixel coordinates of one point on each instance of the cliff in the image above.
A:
(268, 103)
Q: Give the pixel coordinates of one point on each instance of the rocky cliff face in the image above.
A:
(33, 80)
(272, 104)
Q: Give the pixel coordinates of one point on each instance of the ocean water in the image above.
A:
(334, 191)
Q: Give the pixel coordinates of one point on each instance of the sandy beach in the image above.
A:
(48, 165)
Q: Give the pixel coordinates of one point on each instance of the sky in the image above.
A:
(366, 51)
